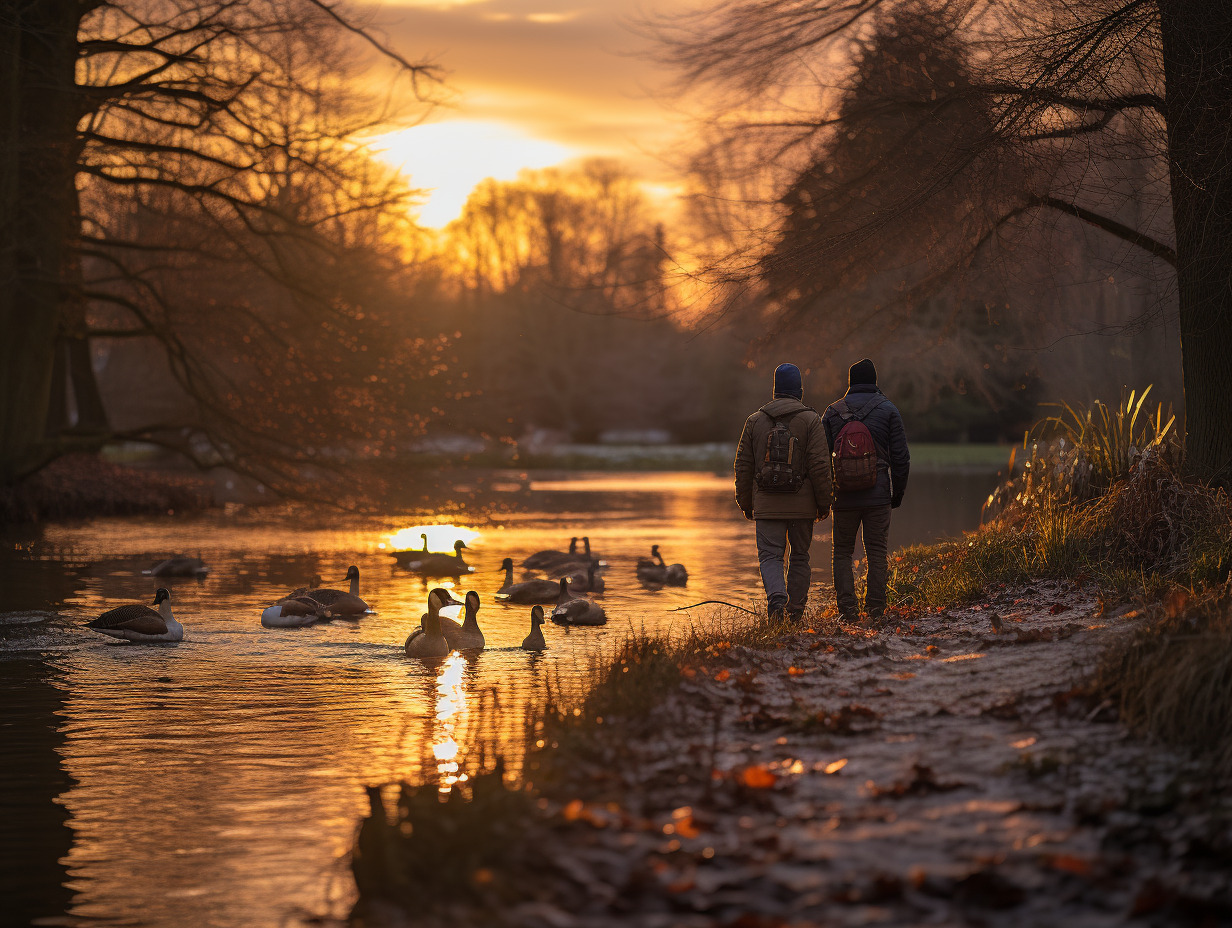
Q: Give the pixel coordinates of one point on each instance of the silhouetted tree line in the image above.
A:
(864, 160)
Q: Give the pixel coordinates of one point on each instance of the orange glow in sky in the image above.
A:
(447, 160)
(530, 84)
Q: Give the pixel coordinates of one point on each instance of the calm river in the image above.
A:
(220, 781)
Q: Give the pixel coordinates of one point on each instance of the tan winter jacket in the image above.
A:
(814, 497)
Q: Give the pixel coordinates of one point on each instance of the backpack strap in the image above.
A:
(845, 413)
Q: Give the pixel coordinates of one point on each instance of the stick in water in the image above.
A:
(713, 602)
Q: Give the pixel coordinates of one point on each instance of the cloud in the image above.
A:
(563, 70)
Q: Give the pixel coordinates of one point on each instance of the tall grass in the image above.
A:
(1172, 678)
(1104, 499)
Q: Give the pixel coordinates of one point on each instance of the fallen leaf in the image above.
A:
(836, 766)
(796, 671)
(757, 776)
(931, 649)
(1069, 863)
(573, 810)
(722, 676)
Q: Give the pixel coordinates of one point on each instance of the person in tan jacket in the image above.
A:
(783, 484)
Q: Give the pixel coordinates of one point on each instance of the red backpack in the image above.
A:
(855, 452)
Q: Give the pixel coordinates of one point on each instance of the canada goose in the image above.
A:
(337, 604)
(529, 591)
(427, 640)
(136, 622)
(181, 565)
(295, 609)
(435, 563)
(541, 559)
(652, 570)
(650, 563)
(291, 612)
(586, 581)
(467, 636)
(534, 641)
(573, 611)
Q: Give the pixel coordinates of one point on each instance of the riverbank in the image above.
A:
(950, 769)
(1035, 734)
(86, 486)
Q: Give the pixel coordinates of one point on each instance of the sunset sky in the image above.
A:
(534, 83)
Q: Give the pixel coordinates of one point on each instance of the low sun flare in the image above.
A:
(447, 160)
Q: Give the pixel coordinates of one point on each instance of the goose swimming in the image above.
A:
(549, 556)
(137, 622)
(587, 582)
(335, 604)
(435, 563)
(571, 610)
(534, 641)
(178, 566)
(293, 610)
(428, 640)
(467, 636)
(653, 570)
(527, 592)
(574, 560)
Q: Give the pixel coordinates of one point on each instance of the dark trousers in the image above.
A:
(775, 539)
(876, 523)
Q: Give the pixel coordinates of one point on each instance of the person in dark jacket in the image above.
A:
(784, 517)
(869, 509)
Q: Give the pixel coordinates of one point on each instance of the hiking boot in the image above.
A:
(795, 618)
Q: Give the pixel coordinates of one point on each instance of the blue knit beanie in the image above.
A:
(787, 381)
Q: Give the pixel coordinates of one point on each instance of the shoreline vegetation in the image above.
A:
(1039, 731)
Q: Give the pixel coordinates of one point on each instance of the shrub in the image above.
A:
(1172, 678)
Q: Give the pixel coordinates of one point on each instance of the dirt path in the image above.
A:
(944, 774)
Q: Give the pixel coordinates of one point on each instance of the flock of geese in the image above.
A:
(437, 635)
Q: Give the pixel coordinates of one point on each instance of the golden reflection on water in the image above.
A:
(440, 538)
(451, 712)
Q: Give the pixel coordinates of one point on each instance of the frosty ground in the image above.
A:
(947, 771)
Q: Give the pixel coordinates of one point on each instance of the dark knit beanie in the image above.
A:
(787, 381)
(862, 372)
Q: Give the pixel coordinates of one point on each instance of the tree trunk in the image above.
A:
(1197, 44)
(38, 214)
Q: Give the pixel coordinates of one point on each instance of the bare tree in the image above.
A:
(1081, 110)
(184, 173)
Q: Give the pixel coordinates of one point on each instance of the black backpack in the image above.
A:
(782, 466)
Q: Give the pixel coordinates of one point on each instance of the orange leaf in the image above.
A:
(836, 766)
(758, 776)
(796, 671)
(1070, 864)
(722, 676)
(573, 810)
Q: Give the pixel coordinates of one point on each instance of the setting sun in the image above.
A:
(447, 160)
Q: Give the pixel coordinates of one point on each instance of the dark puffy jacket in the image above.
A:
(813, 498)
(893, 457)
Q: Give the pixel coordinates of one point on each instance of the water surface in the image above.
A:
(219, 781)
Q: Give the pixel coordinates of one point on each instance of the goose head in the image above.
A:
(536, 617)
(161, 596)
(586, 545)
(573, 545)
(507, 564)
(424, 536)
(458, 547)
(438, 599)
(472, 604)
(564, 589)
(352, 573)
